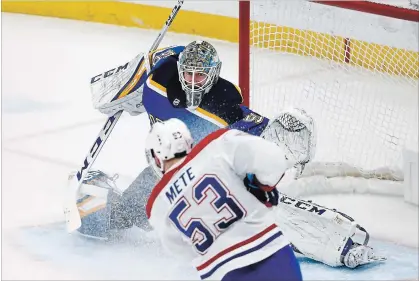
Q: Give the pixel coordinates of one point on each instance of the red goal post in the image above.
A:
(352, 65)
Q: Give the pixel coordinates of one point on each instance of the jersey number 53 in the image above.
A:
(196, 229)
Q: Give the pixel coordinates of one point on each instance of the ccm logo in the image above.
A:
(95, 148)
(108, 73)
(302, 205)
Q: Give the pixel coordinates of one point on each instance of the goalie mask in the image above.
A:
(199, 69)
(167, 140)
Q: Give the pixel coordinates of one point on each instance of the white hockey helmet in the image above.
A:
(167, 140)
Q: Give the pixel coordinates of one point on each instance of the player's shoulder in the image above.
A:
(227, 91)
(217, 135)
(216, 138)
(160, 55)
(164, 70)
(232, 133)
(231, 137)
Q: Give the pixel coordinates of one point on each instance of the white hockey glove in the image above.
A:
(294, 131)
(119, 80)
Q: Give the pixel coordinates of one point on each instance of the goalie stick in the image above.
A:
(71, 213)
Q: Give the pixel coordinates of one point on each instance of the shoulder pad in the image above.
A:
(164, 53)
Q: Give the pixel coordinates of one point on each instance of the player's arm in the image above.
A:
(261, 164)
(293, 130)
(250, 122)
(253, 155)
(121, 88)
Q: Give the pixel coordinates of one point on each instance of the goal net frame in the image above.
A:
(334, 174)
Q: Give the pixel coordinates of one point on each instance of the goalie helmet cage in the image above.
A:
(352, 65)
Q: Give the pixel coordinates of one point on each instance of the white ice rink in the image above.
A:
(48, 124)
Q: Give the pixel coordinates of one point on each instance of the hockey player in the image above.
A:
(174, 82)
(184, 82)
(203, 212)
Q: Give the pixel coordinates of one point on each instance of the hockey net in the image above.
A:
(353, 68)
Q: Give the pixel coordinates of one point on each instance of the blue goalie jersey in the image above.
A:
(163, 98)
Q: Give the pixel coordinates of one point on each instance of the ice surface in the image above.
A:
(47, 126)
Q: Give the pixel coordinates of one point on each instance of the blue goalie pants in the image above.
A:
(281, 266)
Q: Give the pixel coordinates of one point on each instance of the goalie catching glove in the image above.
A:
(294, 131)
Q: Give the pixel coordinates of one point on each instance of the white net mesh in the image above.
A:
(408, 4)
(362, 93)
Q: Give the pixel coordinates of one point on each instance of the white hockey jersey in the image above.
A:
(203, 213)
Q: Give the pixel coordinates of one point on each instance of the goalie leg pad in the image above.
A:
(135, 198)
(103, 208)
(95, 216)
(355, 255)
(97, 202)
(315, 231)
